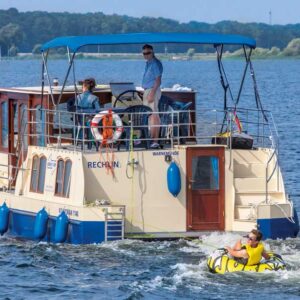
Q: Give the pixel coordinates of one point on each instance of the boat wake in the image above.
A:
(135, 269)
(186, 278)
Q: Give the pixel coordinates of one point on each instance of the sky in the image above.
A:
(210, 11)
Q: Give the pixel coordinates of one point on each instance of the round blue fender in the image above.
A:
(173, 179)
(4, 218)
(61, 228)
(40, 224)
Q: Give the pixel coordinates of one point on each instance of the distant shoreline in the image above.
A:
(163, 56)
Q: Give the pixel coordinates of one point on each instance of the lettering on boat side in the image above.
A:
(103, 164)
(164, 153)
(69, 212)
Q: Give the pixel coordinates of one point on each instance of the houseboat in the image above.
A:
(83, 176)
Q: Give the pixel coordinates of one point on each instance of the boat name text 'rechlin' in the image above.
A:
(103, 164)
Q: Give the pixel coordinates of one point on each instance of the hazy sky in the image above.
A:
(211, 11)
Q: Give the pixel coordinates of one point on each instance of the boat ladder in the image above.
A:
(114, 225)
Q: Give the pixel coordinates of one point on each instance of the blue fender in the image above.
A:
(61, 228)
(174, 179)
(40, 224)
(4, 218)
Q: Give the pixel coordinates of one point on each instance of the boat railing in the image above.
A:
(272, 170)
(204, 126)
(9, 170)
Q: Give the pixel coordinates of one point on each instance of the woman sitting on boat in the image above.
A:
(251, 253)
(87, 100)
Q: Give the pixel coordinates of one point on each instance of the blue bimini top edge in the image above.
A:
(76, 42)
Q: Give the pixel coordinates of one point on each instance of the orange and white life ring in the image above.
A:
(117, 127)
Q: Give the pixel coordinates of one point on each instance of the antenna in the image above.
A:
(270, 17)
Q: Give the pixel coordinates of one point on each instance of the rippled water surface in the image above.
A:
(161, 270)
(138, 270)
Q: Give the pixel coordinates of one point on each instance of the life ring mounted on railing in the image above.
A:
(110, 130)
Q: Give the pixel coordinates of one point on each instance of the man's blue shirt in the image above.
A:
(88, 100)
(153, 70)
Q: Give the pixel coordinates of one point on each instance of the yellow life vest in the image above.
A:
(255, 254)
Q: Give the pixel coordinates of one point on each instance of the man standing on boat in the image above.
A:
(151, 84)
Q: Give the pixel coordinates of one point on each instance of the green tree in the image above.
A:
(26, 29)
(61, 50)
(11, 34)
(36, 49)
(13, 51)
(190, 53)
(274, 51)
(293, 48)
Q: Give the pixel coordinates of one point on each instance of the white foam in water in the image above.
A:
(208, 243)
(184, 271)
(181, 272)
(193, 277)
(116, 246)
(151, 285)
(155, 283)
(163, 245)
(190, 249)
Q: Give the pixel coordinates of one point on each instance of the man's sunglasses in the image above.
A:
(250, 238)
(147, 53)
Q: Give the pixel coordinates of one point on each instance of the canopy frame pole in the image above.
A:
(224, 83)
(45, 62)
(67, 76)
(247, 59)
(74, 78)
(44, 68)
(256, 93)
(43, 77)
(42, 92)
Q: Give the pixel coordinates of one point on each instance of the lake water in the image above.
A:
(161, 270)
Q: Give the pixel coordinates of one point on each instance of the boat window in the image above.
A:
(38, 173)
(40, 125)
(67, 178)
(4, 133)
(24, 125)
(63, 178)
(34, 174)
(205, 173)
(59, 177)
(16, 121)
(42, 173)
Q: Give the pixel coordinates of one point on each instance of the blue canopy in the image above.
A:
(76, 42)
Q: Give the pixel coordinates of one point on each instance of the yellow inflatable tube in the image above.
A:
(220, 262)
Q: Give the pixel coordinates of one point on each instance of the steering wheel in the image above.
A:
(135, 95)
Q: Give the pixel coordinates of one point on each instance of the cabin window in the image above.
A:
(40, 125)
(42, 173)
(63, 178)
(38, 174)
(4, 110)
(34, 172)
(16, 122)
(67, 178)
(205, 172)
(24, 125)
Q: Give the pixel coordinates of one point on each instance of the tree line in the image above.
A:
(26, 31)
